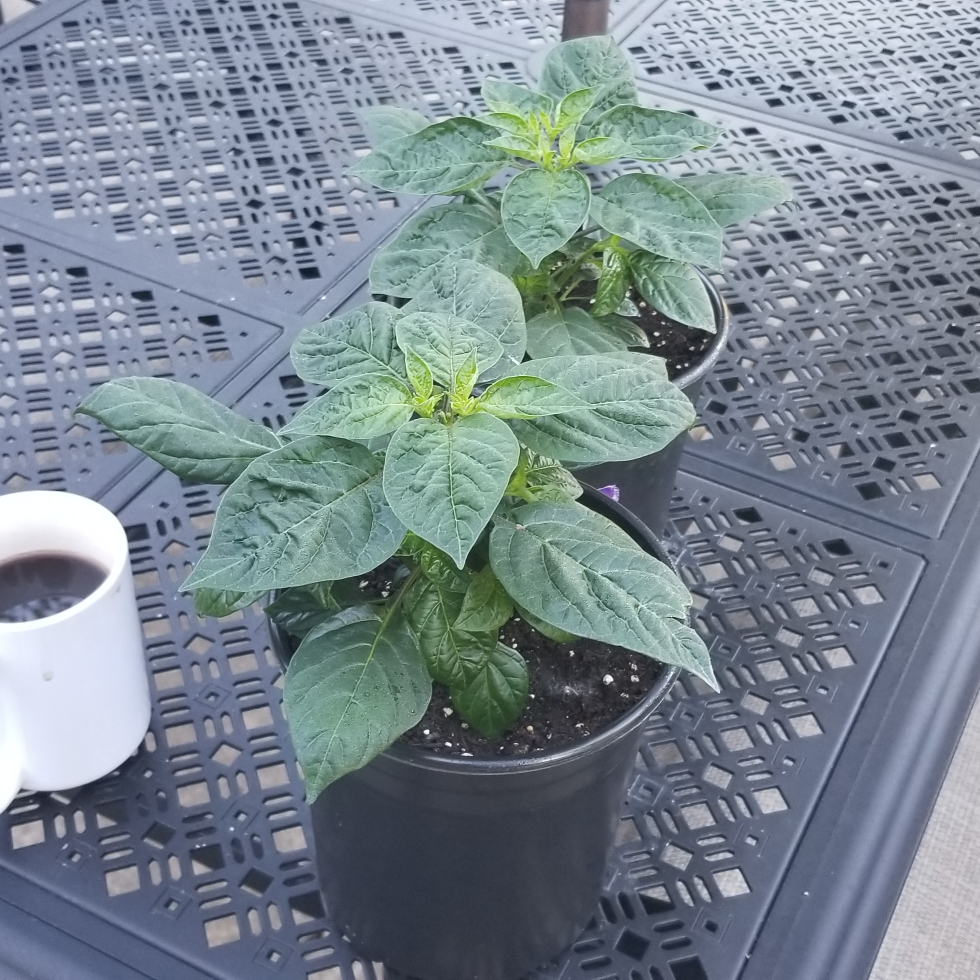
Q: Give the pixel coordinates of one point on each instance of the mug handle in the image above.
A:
(10, 765)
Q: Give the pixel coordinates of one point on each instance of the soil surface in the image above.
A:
(680, 346)
(576, 689)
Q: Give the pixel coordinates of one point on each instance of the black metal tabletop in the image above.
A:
(173, 202)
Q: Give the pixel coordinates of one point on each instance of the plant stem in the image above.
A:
(477, 196)
(393, 605)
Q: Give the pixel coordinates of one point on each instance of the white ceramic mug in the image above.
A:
(74, 697)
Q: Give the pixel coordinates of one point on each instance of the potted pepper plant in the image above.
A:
(473, 643)
(603, 263)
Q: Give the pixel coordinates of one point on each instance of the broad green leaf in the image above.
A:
(611, 289)
(494, 699)
(218, 603)
(547, 479)
(444, 481)
(673, 288)
(573, 108)
(388, 122)
(360, 341)
(541, 210)
(589, 62)
(362, 613)
(313, 511)
(443, 341)
(299, 610)
(524, 397)
(448, 232)
(443, 158)
(552, 632)
(435, 566)
(486, 605)
(490, 300)
(573, 331)
(180, 428)
(594, 152)
(519, 146)
(654, 134)
(579, 572)
(452, 655)
(349, 694)
(506, 122)
(731, 198)
(359, 408)
(660, 216)
(503, 96)
(633, 410)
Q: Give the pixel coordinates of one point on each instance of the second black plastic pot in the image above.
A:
(464, 869)
(645, 485)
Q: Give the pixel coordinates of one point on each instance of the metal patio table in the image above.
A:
(173, 202)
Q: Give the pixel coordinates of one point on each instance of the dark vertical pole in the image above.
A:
(584, 18)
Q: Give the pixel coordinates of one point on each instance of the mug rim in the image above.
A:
(113, 574)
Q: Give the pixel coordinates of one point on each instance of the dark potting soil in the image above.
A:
(576, 690)
(681, 347)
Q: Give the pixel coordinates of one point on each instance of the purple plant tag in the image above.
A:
(612, 491)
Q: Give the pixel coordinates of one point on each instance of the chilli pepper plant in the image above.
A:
(432, 465)
(583, 255)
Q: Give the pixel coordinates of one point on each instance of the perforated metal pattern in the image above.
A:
(68, 323)
(899, 71)
(520, 23)
(202, 845)
(214, 136)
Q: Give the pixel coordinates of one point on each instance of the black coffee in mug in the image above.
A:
(45, 583)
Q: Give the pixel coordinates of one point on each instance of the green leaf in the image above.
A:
(541, 210)
(453, 656)
(180, 428)
(435, 566)
(449, 232)
(654, 134)
(519, 146)
(579, 572)
(611, 289)
(349, 694)
(443, 341)
(552, 632)
(360, 341)
(388, 122)
(573, 331)
(731, 198)
(660, 216)
(573, 108)
(633, 410)
(589, 62)
(524, 397)
(443, 158)
(486, 605)
(313, 511)
(419, 375)
(445, 481)
(299, 610)
(506, 122)
(359, 408)
(219, 603)
(673, 288)
(547, 479)
(490, 300)
(594, 152)
(494, 699)
(503, 96)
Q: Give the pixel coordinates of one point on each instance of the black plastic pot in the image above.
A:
(646, 484)
(467, 869)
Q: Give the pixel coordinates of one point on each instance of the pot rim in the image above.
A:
(722, 329)
(400, 753)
